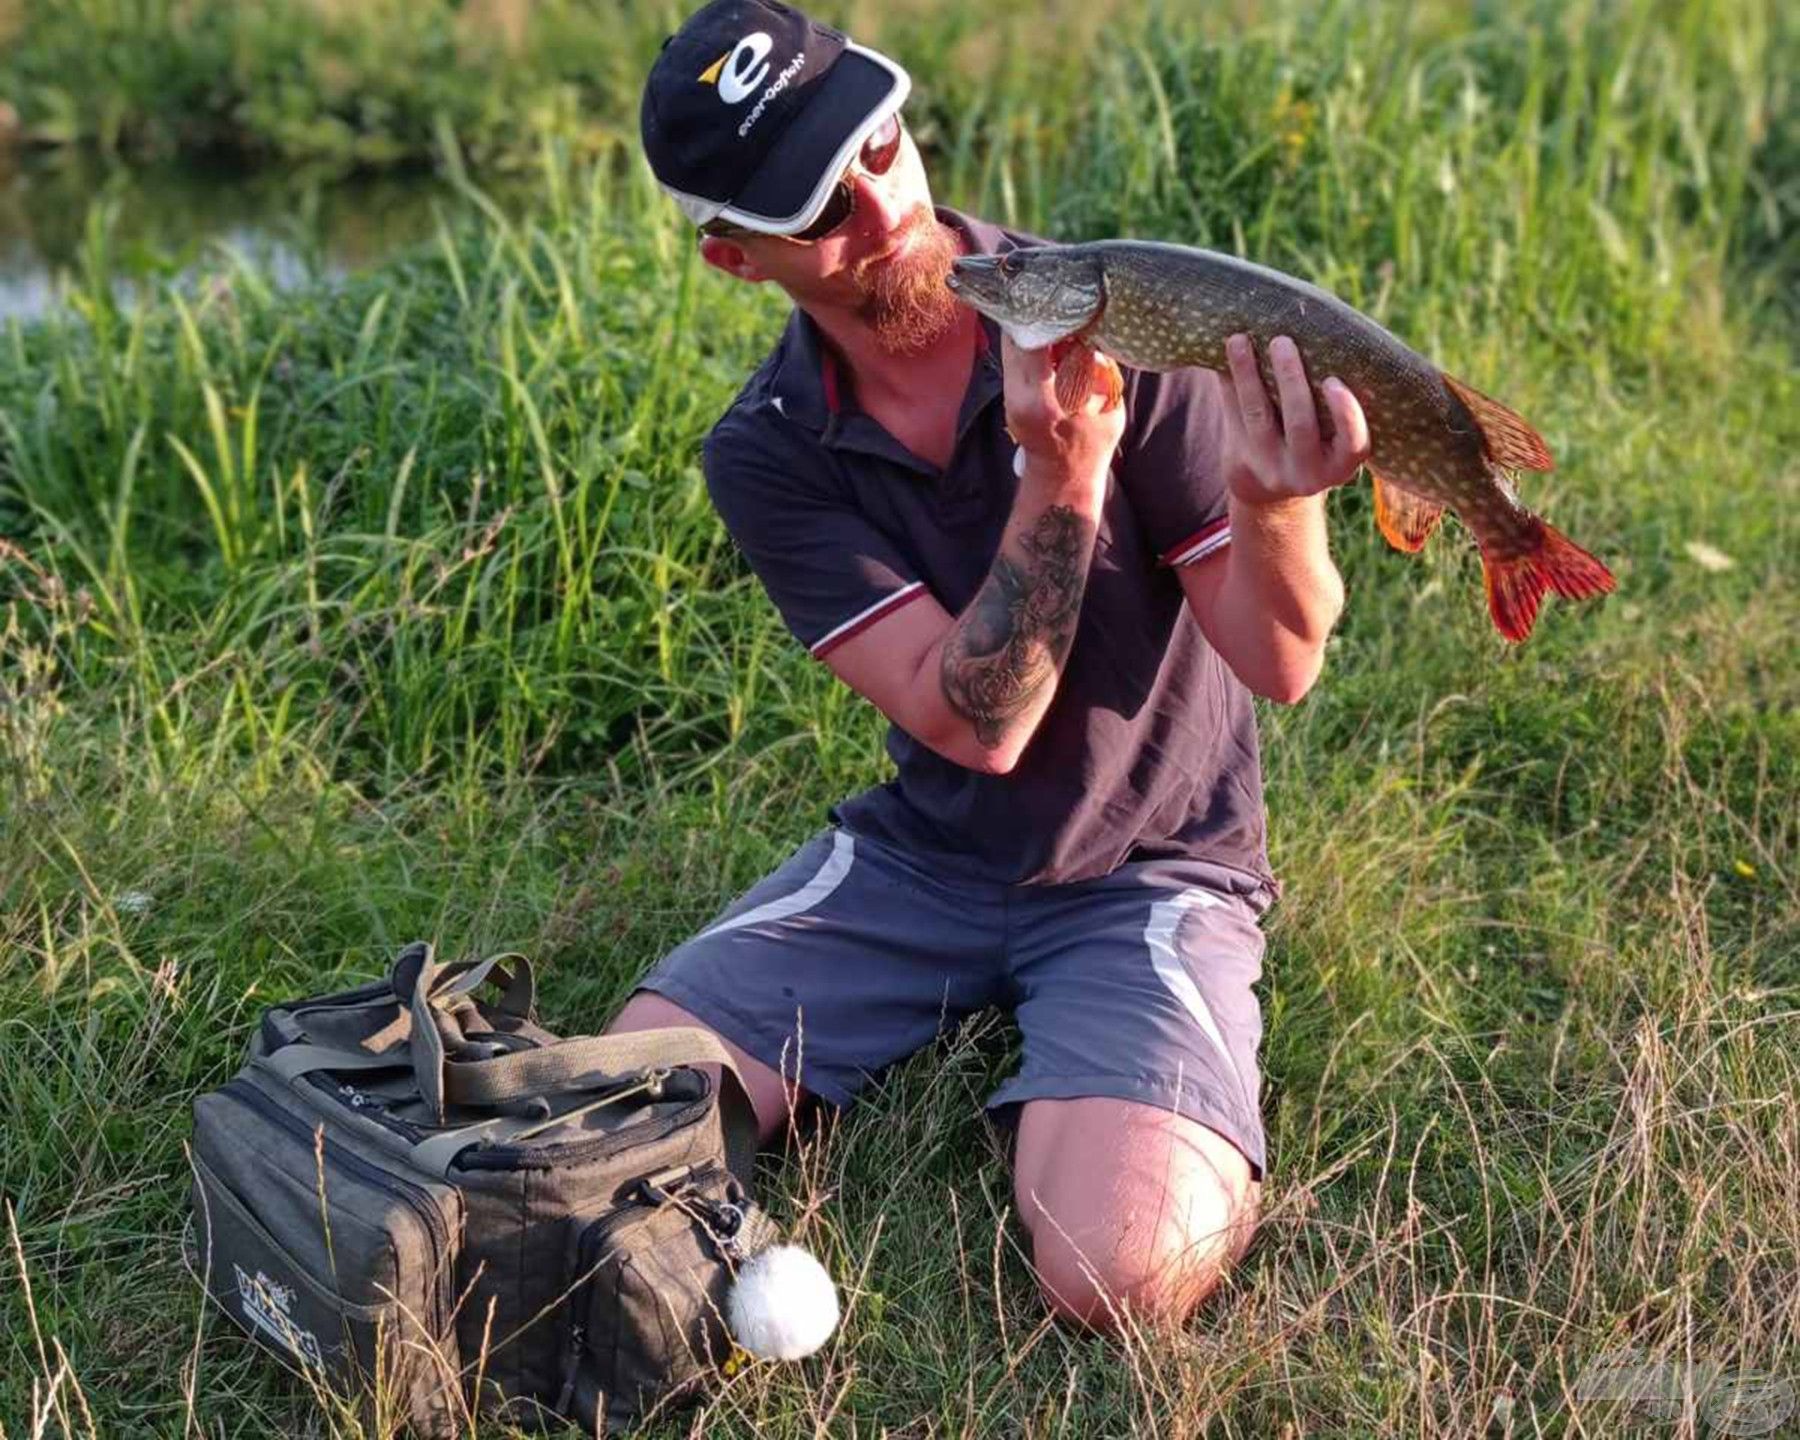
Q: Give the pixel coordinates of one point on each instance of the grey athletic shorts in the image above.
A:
(1136, 985)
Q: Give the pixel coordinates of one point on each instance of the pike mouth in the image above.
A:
(971, 280)
(975, 296)
(972, 265)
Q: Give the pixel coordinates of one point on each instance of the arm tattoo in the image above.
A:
(1007, 645)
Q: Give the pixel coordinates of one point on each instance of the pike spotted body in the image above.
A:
(1435, 443)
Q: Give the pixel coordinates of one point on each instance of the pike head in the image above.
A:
(1038, 294)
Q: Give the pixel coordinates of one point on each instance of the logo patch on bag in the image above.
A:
(266, 1304)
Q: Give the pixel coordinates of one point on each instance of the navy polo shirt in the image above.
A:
(1148, 749)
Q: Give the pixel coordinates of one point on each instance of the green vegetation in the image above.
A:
(336, 619)
(364, 83)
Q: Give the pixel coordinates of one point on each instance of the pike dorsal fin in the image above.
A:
(1510, 439)
(1407, 520)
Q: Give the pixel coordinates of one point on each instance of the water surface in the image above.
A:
(170, 220)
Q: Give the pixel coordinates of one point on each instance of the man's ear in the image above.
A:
(723, 253)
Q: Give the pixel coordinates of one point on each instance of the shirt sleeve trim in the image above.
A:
(1200, 544)
(861, 621)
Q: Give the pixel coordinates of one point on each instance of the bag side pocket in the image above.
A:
(646, 1318)
(342, 1268)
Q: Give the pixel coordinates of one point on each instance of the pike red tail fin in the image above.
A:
(1516, 585)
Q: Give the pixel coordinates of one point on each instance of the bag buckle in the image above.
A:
(723, 1220)
(661, 1188)
(729, 1218)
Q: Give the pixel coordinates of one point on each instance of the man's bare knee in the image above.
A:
(1126, 1275)
(1145, 1224)
(770, 1096)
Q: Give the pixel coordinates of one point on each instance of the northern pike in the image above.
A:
(1435, 443)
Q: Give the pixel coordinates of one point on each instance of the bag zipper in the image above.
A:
(637, 1208)
(365, 1105)
(417, 1199)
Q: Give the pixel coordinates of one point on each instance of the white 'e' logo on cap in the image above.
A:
(745, 68)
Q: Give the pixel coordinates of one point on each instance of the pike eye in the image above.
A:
(1010, 265)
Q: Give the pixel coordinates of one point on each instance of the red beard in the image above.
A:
(904, 298)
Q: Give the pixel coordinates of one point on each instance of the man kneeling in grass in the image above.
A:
(1064, 614)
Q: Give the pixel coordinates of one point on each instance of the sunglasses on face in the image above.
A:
(876, 158)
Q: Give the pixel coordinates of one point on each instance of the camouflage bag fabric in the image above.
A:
(428, 1202)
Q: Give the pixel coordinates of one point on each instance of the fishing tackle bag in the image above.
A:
(424, 1200)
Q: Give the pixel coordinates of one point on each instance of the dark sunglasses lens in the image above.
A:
(836, 212)
(877, 158)
(879, 149)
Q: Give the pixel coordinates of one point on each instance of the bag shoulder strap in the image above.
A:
(428, 989)
(592, 1061)
(586, 1062)
(579, 1063)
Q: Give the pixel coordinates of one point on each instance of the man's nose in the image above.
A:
(878, 204)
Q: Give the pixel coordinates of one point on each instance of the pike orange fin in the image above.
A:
(1516, 585)
(1081, 371)
(1407, 520)
(1074, 366)
(1110, 379)
(1510, 439)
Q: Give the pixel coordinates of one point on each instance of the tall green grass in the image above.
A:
(335, 618)
(369, 83)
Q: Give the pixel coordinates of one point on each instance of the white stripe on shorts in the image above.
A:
(1159, 935)
(831, 875)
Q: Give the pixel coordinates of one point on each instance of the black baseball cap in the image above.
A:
(753, 110)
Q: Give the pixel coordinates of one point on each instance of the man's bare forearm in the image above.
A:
(1002, 657)
(1281, 595)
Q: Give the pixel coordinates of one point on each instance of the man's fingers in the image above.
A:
(1025, 361)
(1350, 443)
(1252, 398)
(1231, 412)
(1299, 416)
(1031, 367)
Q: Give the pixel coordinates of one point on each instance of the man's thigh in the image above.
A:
(1139, 986)
(846, 959)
